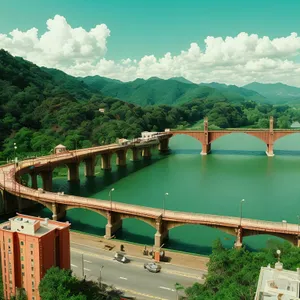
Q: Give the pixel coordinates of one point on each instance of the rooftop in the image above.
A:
(277, 283)
(31, 225)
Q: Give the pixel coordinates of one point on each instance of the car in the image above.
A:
(120, 257)
(152, 267)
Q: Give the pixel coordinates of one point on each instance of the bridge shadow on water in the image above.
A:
(104, 178)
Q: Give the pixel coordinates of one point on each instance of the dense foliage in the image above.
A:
(233, 274)
(59, 284)
(41, 109)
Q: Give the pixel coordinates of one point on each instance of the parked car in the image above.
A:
(121, 257)
(152, 267)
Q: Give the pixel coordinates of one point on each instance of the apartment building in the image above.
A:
(29, 247)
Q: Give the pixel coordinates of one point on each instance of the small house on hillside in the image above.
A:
(295, 125)
(102, 110)
(59, 149)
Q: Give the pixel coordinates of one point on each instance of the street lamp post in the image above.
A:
(241, 211)
(100, 278)
(15, 158)
(110, 196)
(164, 200)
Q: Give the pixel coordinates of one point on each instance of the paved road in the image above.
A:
(131, 277)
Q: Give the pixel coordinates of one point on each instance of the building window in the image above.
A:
(22, 257)
(32, 268)
(21, 250)
(22, 266)
(33, 298)
(22, 243)
(31, 252)
(9, 240)
(31, 245)
(23, 274)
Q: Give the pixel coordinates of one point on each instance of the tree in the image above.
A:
(61, 285)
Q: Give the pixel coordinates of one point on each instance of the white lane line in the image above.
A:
(123, 278)
(85, 269)
(165, 288)
(74, 266)
(88, 261)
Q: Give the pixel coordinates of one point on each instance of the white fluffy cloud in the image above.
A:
(233, 60)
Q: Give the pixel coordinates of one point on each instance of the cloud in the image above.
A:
(233, 60)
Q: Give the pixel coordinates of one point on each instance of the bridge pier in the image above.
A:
(146, 152)
(239, 238)
(73, 171)
(114, 223)
(105, 161)
(47, 180)
(135, 154)
(162, 233)
(163, 145)
(269, 151)
(34, 183)
(58, 211)
(205, 149)
(121, 158)
(89, 170)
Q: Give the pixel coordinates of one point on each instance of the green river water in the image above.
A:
(237, 168)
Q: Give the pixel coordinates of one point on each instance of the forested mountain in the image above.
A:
(276, 92)
(177, 90)
(41, 108)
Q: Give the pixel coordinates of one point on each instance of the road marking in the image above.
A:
(88, 261)
(85, 269)
(165, 288)
(74, 266)
(140, 294)
(123, 278)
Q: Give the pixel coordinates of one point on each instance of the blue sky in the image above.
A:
(153, 27)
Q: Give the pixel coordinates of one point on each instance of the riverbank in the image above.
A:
(174, 257)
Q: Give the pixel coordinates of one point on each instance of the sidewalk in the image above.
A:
(175, 258)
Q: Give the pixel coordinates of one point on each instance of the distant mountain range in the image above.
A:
(178, 90)
(172, 91)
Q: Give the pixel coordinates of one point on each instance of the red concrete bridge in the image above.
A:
(115, 212)
(206, 137)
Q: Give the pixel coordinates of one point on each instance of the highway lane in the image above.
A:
(132, 277)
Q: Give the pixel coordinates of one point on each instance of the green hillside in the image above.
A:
(276, 92)
(174, 91)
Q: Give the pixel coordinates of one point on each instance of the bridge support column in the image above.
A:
(135, 154)
(163, 145)
(47, 180)
(239, 238)
(205, 149)
(114, 223)
(89, 170)
(121, 158)
(269, 151)
(34, 183)
(105, 161)
(58, 211)
(146, 152)
(73, 171)
(162, 233)
(270, 144)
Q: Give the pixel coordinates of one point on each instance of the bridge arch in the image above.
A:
(98, 211)
(150, 222)
(228, 230)
(195, 135)
(255, 136)
(280, 137)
